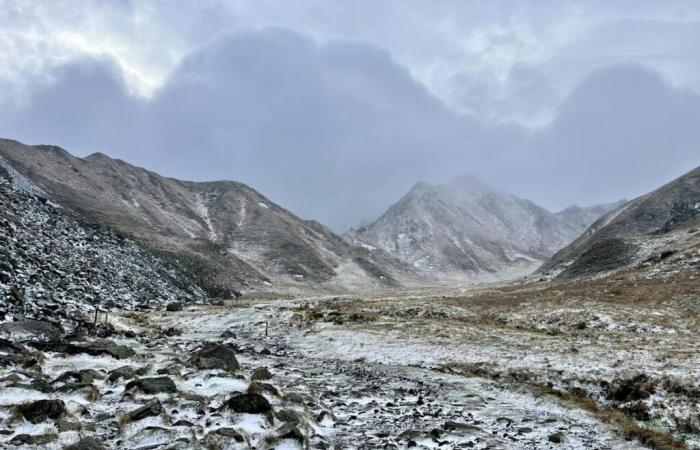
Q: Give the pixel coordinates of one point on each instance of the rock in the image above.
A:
(87, 389)
(230, 433)
(94, 348)
(215, 356)
(150, 409)
(173, 307)
(86, 444)
(39, 439)
(258, 388)
(82, 376)
(289, 431)
(32, 329)
(289, 416)
(155, 385)
(249, 404)
(123, 372)
(557, 438)
(183, 423)
(20, 439)
(129, 334)
(65, 425)
(40, 410)
(261, 373)
(454, 426)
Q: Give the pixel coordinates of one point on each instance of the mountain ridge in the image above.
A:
(646, 228)
(239, 238)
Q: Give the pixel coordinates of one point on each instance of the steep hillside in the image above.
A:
(468, 229)
(55, 267)
(235, 236)
(661, 225)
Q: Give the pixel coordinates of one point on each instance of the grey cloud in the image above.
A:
(621, 133)
(339, 131)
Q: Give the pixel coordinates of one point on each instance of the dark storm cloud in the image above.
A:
(339, 131)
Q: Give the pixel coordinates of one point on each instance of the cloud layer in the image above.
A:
(337, 129)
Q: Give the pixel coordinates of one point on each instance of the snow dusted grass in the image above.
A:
(571, 341)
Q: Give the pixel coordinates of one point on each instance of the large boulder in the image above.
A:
(150, 409)
(249, 404)
(31, 330)
(40, 410)
(215, 356)
(155, 385)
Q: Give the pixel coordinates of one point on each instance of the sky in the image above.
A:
(334, 109)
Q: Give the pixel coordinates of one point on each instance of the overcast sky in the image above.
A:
(334, 109)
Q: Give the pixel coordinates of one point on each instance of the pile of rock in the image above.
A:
(56, 268)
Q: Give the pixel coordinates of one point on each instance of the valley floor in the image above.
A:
(609, 364)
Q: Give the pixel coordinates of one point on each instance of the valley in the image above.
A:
(120, 328)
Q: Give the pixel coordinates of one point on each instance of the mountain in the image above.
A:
(655, 227)
(581, 217)
(468, 229)
(234, 237)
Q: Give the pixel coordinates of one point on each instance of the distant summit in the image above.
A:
(466, 229)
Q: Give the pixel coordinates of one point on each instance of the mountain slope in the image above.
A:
(238, 238)
(654, 226)
(466, 228)
(55, 267)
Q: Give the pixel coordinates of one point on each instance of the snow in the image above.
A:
(202, 209)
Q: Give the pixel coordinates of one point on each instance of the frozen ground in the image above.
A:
(608, 364)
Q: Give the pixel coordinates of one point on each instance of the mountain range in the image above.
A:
(232, 239)
(466, 229)
(232, 236)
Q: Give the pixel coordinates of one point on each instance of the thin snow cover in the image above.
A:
(202, 209)
(263, 205)
(367, 246)
(208, 383)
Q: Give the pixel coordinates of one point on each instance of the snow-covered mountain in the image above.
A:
(661, 226)
(235, 237)
(468, 229)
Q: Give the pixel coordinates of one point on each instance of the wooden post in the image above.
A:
(265, 328)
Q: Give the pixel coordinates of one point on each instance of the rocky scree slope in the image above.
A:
(466, 228)
(657, 228)
(236, 237)
(57, 268)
